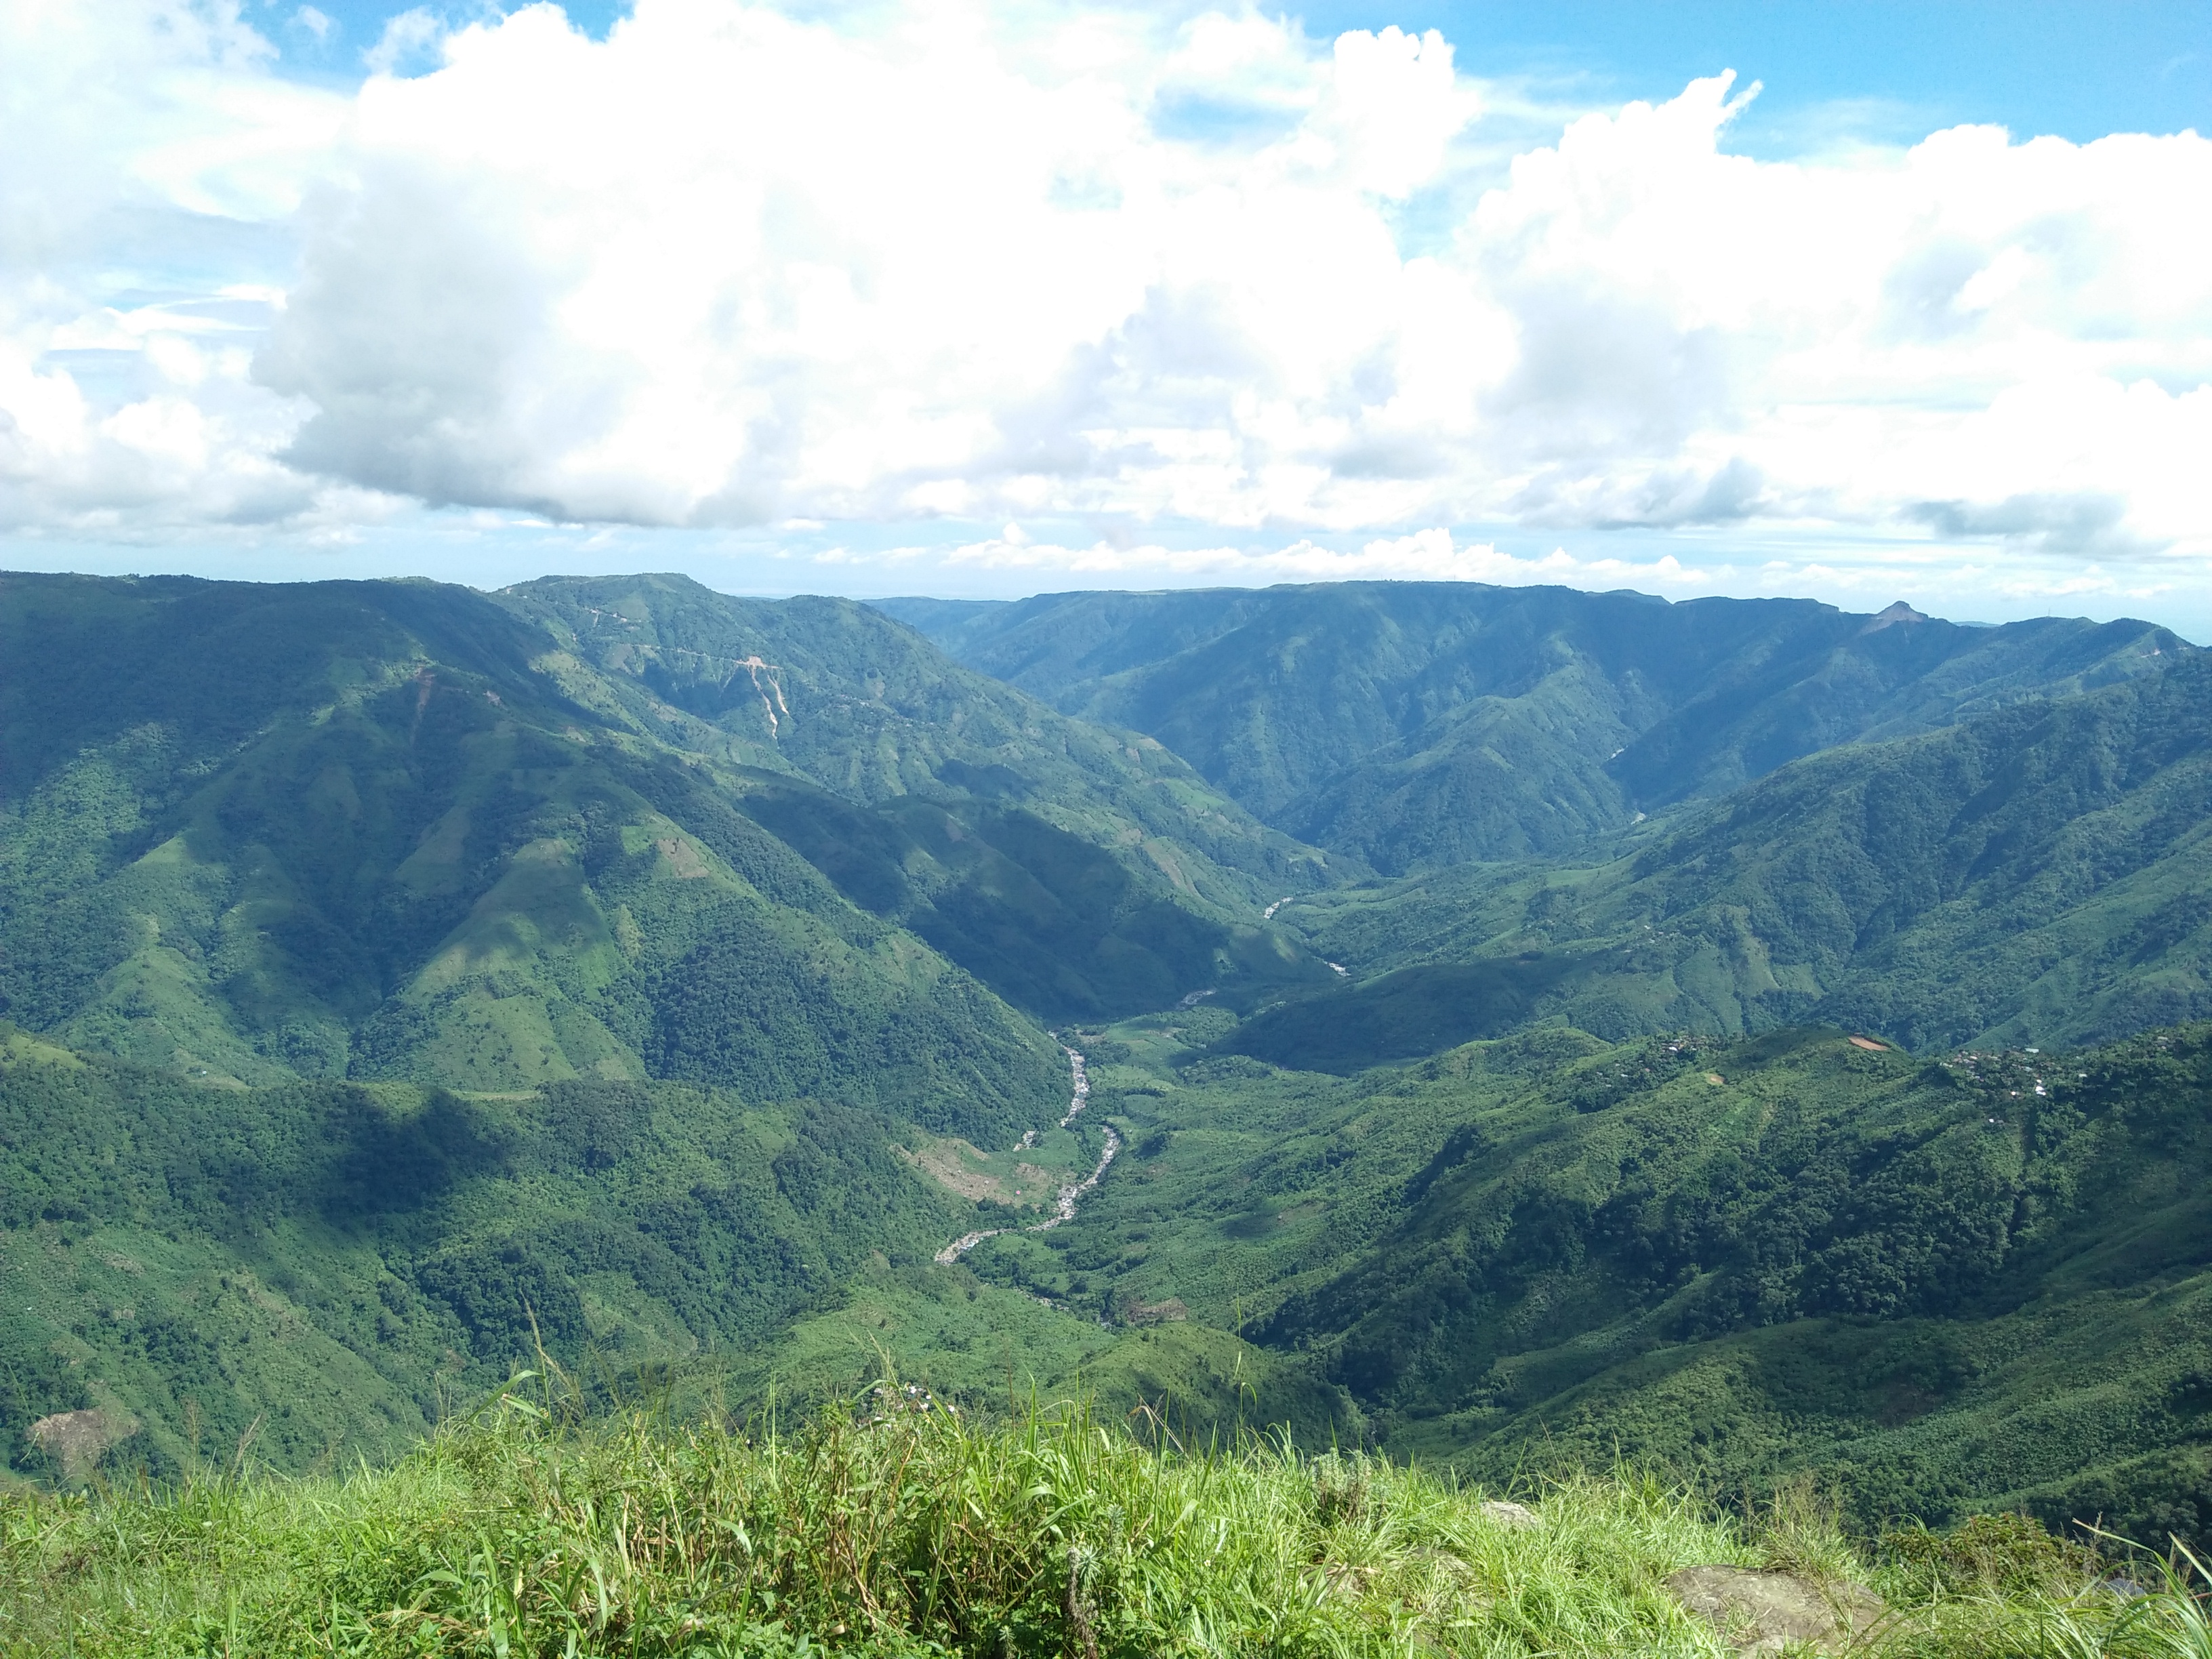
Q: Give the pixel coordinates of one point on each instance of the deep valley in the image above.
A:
(1513, 1030)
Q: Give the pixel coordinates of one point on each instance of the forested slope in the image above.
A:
(401, 830)
(2040, 874)
(1077, 870)
(593, 963)
(1938, 1284)
(1419, 725)
(331, 1266)
(402, 978)
(833, 692)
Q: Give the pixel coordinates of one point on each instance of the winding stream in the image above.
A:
(1063, 1206)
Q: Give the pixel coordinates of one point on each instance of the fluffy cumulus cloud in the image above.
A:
(727, 267)
(735, 266)
(145, 144)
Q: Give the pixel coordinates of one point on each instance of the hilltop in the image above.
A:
(892, 1526)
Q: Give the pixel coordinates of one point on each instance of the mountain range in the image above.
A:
(1511, 1017)
(1420, 725)
(614, 830)
(2037, 874)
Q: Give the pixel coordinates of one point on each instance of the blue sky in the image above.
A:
(976, 297)
(1890, 71)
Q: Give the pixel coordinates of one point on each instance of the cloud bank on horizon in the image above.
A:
(1211, 293)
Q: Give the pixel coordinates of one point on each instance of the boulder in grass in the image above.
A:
(1507, 1513)
(1762, 1613)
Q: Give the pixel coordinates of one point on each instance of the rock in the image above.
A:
(1758, 1611)
(1507, 1513)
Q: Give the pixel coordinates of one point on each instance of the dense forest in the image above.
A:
(1414, 726)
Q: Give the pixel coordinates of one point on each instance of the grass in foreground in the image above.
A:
(898, 1529)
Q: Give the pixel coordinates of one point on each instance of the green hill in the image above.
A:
(2038, 874)
(1414, 726)
(1927, 1286)
(333, 1266)
(600, 962)
(1077, 870)
(401, 830)
(329, 1269)
(1935, 1287)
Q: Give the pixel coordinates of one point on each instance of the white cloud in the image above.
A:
(408, 41)
(142, 136)
(1425, 556)
(731, 267)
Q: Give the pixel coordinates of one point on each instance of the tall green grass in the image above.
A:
(896, 1527)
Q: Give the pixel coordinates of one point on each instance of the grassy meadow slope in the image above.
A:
(888, 1527)
(1415, 726)
(2040, 874)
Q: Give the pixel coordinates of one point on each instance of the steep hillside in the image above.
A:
(868, 708)
(2042, 874)
(1420, 725)
(1078, 872)
(1940, 1285)
(400, 979)
(321, 1260)
(403, 830)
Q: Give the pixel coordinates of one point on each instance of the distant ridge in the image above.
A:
(2039, 874)
(1419, 725)
(1891, 616)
